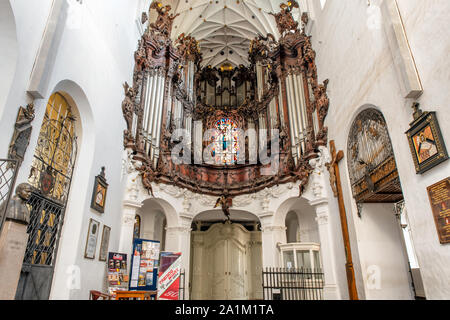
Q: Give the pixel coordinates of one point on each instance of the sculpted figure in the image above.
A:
(22, 132)
(225, 202)
(284, 19)
(322, 101)
(164, 22)
(302, 174)
(148, 176)
(128, 106)
(17, 209)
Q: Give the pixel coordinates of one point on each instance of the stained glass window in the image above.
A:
(137, 227)
(226, 143)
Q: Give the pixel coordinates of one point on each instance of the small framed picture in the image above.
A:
(426, 143)
(104, 246)
(91, 241)
(99, 193)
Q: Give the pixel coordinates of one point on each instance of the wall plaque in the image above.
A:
(439, 195)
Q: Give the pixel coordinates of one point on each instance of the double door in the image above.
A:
(224, 259)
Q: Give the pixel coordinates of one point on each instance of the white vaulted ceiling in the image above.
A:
(225, 28)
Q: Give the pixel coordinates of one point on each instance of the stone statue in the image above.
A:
(17, 210)
(22, 133)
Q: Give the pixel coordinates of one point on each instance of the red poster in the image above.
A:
(169, 276)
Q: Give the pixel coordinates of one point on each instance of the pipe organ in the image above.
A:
(236, 116)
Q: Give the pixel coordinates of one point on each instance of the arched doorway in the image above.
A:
(387, 265)
(9, 52)
(50, 177)
(226, 257)
(153, 223)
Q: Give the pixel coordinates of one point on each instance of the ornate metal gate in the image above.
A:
(50, 176)
(8, 173)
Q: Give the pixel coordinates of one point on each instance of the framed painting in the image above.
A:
(426, 142)
(104, 246)
(91, 241)
(99, 193)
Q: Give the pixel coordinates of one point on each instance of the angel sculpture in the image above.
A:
(164, 22)
(302, 174)
(284, 19)
(226, 202)
(148, 176)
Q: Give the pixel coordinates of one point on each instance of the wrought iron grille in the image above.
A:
(45, 222)
(8, 173)
(293, 284)
(56, 151)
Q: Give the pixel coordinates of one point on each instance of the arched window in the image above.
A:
(226, 143)
(55, 154)
(50, 176)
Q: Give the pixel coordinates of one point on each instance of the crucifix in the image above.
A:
(335, 180)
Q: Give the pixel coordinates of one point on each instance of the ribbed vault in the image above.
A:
(225, 28)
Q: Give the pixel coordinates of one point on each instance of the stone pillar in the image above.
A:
(271, 236)
(178, 239)
(331, 290)
(320, 204)
(13, 243)
(130, 209)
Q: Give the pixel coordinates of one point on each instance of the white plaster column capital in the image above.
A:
(273, 228)
(179, 229)
(322, 217)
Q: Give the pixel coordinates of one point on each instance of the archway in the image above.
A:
(9, 52)
(153, 222)
(226, 256)
(385, 261)
(51, 179)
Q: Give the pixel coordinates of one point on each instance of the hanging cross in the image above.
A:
(335, 180)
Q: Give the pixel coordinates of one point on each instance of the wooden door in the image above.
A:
(222, 268)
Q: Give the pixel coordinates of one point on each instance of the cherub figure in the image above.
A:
(225, 202)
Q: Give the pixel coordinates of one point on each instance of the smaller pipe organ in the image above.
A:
(226, 114)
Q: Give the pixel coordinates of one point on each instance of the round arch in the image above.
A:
(9, 51)
(167, 209)
(279, 218)
(73, 220)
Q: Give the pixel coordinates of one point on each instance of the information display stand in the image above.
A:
(118, 278)
(144, 265)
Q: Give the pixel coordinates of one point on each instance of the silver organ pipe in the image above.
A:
(152, 98)
(300, 114)
(294, 120)
(259, 77)
(303, 111)
(158, 113)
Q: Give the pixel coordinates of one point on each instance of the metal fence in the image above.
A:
(182, 289)
(293, 284)
(8, 174)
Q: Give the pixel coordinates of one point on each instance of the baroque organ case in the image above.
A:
(225, 130)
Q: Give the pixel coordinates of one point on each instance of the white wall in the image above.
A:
(90, 62)
(384, 261)
(353, 52)
(9, 51)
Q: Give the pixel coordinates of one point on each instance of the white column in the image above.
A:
(130, 209)
(271, 236)
(178, 239)
(331, 290)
